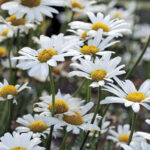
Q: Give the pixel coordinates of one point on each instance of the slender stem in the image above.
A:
(93, 119)
(132, 127)
(80, 87)
(48, 144)
(62, 146)
(139, 59)
(88, 91)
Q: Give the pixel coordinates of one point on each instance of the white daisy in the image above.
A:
(31, 9)
(5, 32)
(95, 46)
(83, 6)
(8, 91)
(101, 70)
(110, 26)
(16, 141)
(38, 125)
(18, 24)
(121, 136)
(64, 104)
(38, 62)
(77, 120)
(127, 93)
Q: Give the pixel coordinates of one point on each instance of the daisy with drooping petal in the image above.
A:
(18, 24)
(101, 70)
(64, 104)
(121, 136)
(38, 125)
(52, 50)
(8, 91)
(109, 26)
(5, 32)
(94, 46)
(128, 94)
(31, 9)
(77, 120)
(16, 141)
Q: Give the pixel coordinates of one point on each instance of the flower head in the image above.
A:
(127, 93)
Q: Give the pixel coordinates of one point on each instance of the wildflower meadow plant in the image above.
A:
(66, 68)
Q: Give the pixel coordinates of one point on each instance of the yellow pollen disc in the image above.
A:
(4, 1)
(100, 25)
(135, 97)
(5, 32)
(60, 106)
(17, 148)
(87, 50)
(3, 52)
(94, 131)
(14, 21)
(117, 15)
(84, 35)
(31, 3)
(46, 54)
(8, 90)
(75, 4)
(38, 126)
(98, 75)
(124, 138)
(75, 119)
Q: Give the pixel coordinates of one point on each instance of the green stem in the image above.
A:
(93, 119)
(48, 144)
(62, 146)
(78, 90)
(88, 91)
(139, 59)
(132, 127)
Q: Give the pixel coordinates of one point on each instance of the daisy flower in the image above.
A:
(95, 46)
(109, 26)
(64, 104)
(38, 62)
(121, 136)
(77, 120)
(37, 125)
(18, 24)
(5, 32)
(101, 70)
(16, 141)
(8, 91)
(82, 6)
(127, 93)
(31, 9)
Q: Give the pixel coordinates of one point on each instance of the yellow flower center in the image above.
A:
(5, 32)
(14, 21)
(94, 131)
(135, 97)
(4, 1)
(87, 50)
(8, 90)
(75, 119)
(46, 54)
(3, 52)
(31, 3)
(60, 106)
(38, 126)
(17, 148)
(100, 25)
(124, 138)
(84, 35)
(117, 15)
(75, 4)
(98, 75)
